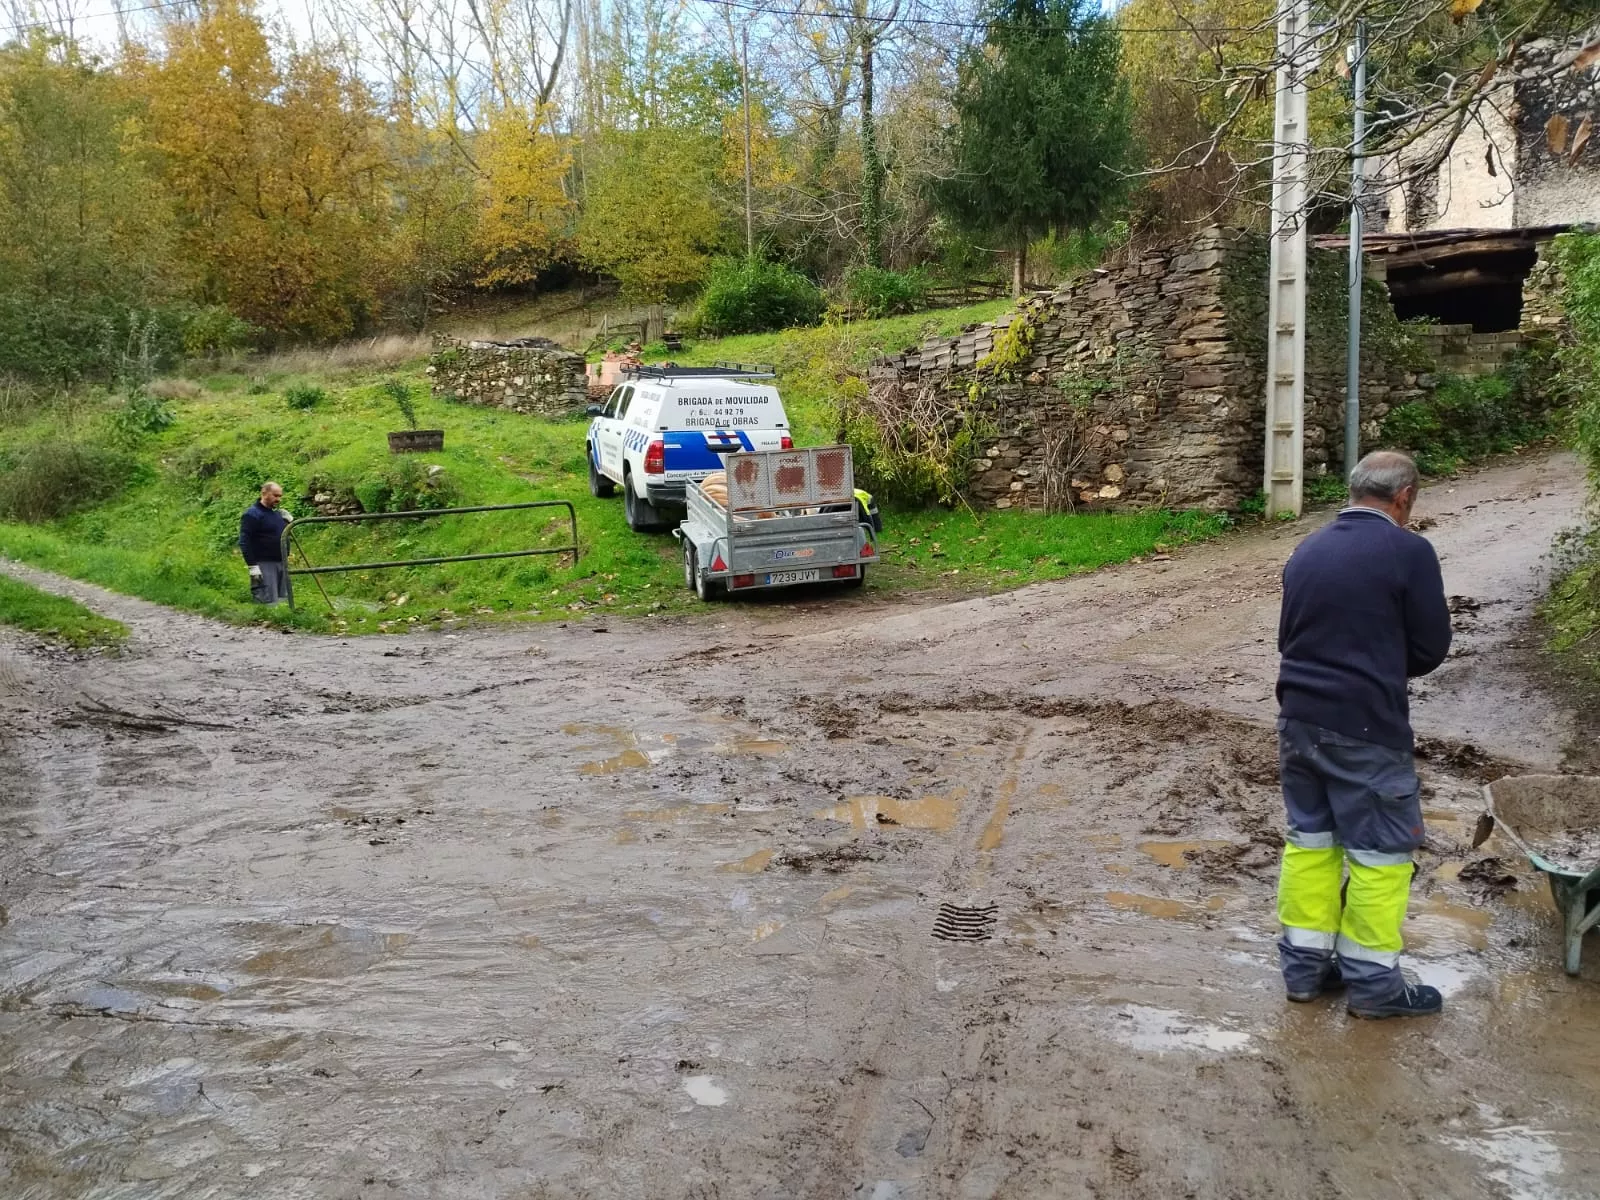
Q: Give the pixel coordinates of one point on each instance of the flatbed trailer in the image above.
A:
(790, 518)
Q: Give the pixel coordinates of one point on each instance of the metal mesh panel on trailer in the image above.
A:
(766, 482)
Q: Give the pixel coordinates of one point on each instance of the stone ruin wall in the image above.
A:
(1140, 388)
(530, 375)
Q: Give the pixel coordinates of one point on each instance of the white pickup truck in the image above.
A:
(668, 426)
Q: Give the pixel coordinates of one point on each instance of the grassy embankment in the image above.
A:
(168, 533)
(56, 617)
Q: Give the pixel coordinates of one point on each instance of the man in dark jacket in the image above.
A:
(261, 542)
(1363, 611)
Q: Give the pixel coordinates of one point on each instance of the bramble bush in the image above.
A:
(1468, 417)
(52, 477)
(752, 295)
(303, 396)
(874, 292)
(1573, 606)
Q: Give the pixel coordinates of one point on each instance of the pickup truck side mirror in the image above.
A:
(594, 410)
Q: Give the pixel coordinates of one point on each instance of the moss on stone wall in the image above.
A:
(1385, 341)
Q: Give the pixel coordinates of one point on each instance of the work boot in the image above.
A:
(1414, 1000)
(1333, 981)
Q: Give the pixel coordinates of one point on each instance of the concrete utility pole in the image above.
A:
(744, 75)
(1358, 184)
(1284, 466)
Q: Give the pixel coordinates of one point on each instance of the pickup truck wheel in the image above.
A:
(642, 516)
(599, 486)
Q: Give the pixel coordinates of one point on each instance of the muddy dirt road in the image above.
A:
(820, 900)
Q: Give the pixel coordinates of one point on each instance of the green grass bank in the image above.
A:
(164, 528)
(57, 618)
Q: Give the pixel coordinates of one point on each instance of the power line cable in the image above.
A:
(100, 16)
(766, 10)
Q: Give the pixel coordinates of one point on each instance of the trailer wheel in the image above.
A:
(691, 568)
(599, 486)
(707, 589)
(860, 580)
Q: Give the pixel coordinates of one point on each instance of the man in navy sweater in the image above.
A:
(261, 543)
(1363, 611)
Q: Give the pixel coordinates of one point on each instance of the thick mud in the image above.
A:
(962, 900)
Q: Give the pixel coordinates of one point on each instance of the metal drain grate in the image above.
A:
(965, 922)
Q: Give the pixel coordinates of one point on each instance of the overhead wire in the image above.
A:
(85, 18)
(946, 23)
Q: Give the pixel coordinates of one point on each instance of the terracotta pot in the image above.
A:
(406, 440)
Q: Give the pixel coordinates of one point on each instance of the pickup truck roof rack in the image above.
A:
(721, 370)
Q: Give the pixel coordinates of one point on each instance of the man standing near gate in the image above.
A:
(261, 542)
(1363, 611)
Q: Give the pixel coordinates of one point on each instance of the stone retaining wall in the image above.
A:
(1460, 351)
(1144, 383)
(531, 375)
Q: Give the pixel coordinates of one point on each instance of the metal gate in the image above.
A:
(420, 514)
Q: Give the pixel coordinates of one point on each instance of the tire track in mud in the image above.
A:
(901, 1044)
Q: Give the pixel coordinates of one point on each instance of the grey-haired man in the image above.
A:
(1363, 611)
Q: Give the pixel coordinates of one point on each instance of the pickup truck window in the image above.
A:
(627, 399)
(610, 410)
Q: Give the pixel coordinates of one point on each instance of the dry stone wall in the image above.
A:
(1144, 382)
(1460, 351)
(530, 375)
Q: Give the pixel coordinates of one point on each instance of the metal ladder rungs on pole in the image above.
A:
(1284, 462)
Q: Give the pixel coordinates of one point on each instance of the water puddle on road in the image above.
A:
(754, 864)
(1162, 1031)
(760, 747)
(632, 756)
(1175, 854)
(1157, 906)
(179, 989)
(679, 813)
(703, 1090)
(1450, 975)
(927, 812)
(628, 760)
(321, 951)
(1441, 927)
(1525, 1161)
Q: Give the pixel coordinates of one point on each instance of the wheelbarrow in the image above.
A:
(1555, 821)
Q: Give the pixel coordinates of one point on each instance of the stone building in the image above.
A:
(528, 375)
(1520, 163)
(1143, 383)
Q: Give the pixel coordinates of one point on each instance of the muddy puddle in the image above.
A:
(426, 917)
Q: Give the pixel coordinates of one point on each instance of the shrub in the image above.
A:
(752, 296)
(875, 292)
(1469, 417)
(404, 485)
(142, 413)
(303, 396)
(54, 477)
(211, 330)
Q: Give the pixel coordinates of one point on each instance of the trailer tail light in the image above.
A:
(740, 581)
(866, 550)
(718, 565)
(787, 443)
(844, 571)
(655, 458)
